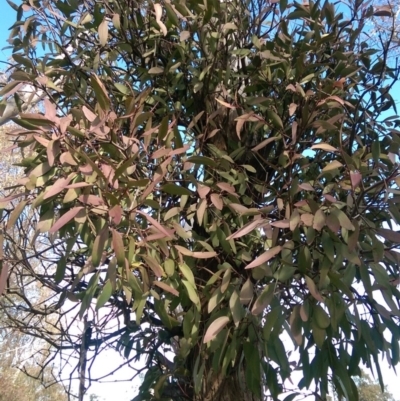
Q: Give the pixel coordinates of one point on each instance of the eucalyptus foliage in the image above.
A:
(223, 175)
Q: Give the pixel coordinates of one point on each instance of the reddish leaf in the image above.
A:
(43, 141)
(115, 214)
(281, 224)
(50, 109)
(217, 201)
(229, 106)
(203, 190)
(330, 198)
(57, 187)
(78, 185)
(248, 228)
(156, 224)
(67, 158)
(88, 114)
(294, 220)
(390, 235)
(166, 287)
(264, 143)
(319, 220)
(265, 257)
(52, 150)
(66, 218)
(292, 108)
(91, 200)
(307, 219)
(238, 208)
(227, 187)
(306, 186)
(355, 178)
(87, 169)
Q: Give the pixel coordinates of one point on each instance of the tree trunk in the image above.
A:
(230, 388)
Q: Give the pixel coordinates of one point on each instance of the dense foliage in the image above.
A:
(221, 179)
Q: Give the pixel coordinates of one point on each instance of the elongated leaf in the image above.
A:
(313, 289)
(154, 265)
(265, 257)
(263, 300)
(16, 213)
(215, 327)
(57, 187)
(3, 275)
(98, 246)
(156, 224)
(66, 218)
(175, 189)
(192, 293)
(390, 235)
(324, 146)
(103, 32)
(247, 292)
(202, 160)
(101, 92)
(105, 295)
(166, 287)
(248, 228)
(118, 246)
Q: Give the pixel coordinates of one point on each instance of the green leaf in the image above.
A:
(122, 88)
(237, 310)
(101, 93)
(321, 317)
(174, 189)
(202, 160)
(105, 295)
(98, 246)
(263, 300)
(192, 293)
(247, 292)
(276, 120)
(60, 272)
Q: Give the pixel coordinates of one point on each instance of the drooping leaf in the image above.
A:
(215, 327)
(265, 257)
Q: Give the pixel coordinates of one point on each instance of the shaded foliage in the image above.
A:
(370, 390)
(213, 177)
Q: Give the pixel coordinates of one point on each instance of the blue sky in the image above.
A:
(7, 17)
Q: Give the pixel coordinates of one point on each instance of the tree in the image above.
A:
(213, 177)
(370, 390)
(385, 24)
(20, 365)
